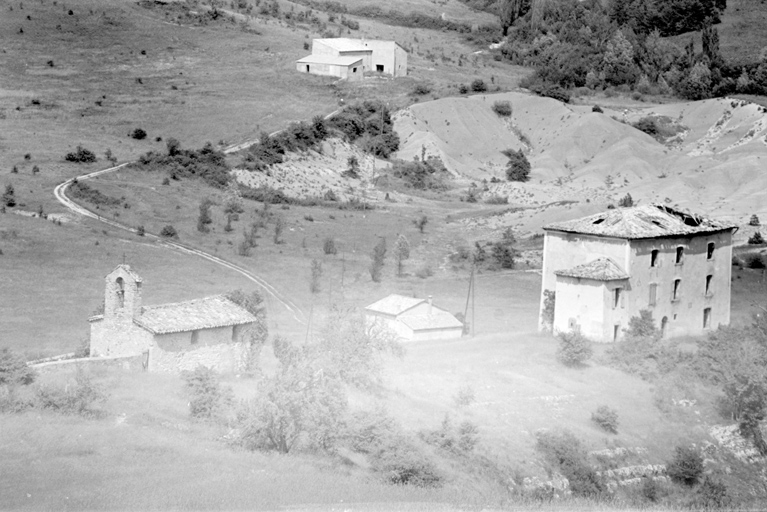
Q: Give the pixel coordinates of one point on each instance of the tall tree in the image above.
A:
(510, 11)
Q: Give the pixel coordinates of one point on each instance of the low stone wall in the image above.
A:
(127, 363)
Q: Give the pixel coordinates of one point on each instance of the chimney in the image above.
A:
(429, 310)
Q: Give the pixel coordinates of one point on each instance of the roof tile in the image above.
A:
(601, 269)
(206, 313)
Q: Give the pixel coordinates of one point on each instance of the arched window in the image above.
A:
(120, 292)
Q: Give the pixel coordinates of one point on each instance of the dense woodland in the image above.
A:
(624, 45)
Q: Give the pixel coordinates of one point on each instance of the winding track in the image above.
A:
(60, 193)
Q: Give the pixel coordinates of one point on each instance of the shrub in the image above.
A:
(712, 494)
(497, 199)
(9, 196)
(14, 370)
(564, 451)
(755, 261)
(597, 108)
(518, 166)
(465, 396)
(756, 238)
(169, 232)
(463, 89)
(574, 348)
(138, 134)
(207, 399)
(626, 201)
(686, 467)
(754, 221)
(461, 439)
(329, 246)
(404, 464)
(421, 90)
(74, 398)
(647, 125)
(81, 190)
(81, 155)
(606, 418)
(424, 272)
(35, 169)
(140, 231)
(478, 85)
(502, 108)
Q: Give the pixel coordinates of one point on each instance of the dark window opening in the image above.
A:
(599, 221)
(354, 70)
(654, 258)
(679, 255)
(120, 292)
(677, 289)
(307, 68)
(710, 250)
(708, 284)
(707, 318)
(379, 68)
(616, 331)
(616, 297)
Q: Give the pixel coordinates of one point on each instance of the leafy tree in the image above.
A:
(81, 155)
(14, 369)
(754, 239)
(9, 197)
(208, 399)
(686, 467)
(626, 201)
(138, 134)
(754, 221)
(377, 256)
(169, 232)
(518, 167)
(574, 348)
(401, 252)
(204, 218)
(618, 60)
(478, 85)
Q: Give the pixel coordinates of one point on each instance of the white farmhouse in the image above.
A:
(351, 58)
(413, 319)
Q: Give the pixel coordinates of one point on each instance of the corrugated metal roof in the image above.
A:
(394, 304)
(331, 60)
(206, 313)
(345, 44)
(645, 221)
(439, 319)
(601, 269)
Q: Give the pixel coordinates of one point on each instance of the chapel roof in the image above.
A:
(191, 315)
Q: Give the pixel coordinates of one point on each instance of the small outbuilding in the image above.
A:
(413, 319)
(211, 331)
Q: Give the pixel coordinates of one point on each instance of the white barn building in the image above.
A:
(350, 58)
(413, 319)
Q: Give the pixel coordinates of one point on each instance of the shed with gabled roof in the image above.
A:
(211, 331)
(413, 319)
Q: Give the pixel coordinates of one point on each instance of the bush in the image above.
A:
(756, 238)
(81, 155)
(329, 246)
(9, 196)
(140, 231)
(754, 220)
(712, 494)
(518, 167)
(208, 399)
(647, 125)
(81, 190)
(478, 85)
(497, 199)
(574, 348)
(74, 398)
(686, 467)
(138, 134)
(205, 163)
(404, 464)
(565, 452)
(597, 108)
(463, 89)
(421, 90)
(14, 370)
(169, 232)
(606, 418)
(626, 201)
(755, 261)
(502, 108)
(377, 260)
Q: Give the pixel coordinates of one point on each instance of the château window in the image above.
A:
(617, 297)
(654, 258)
(677, 289)
(679, 255)
(708, 284)
(707, 318)
(710, 251)
(653, 293)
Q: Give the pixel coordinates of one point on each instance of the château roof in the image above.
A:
(191, 315)
(601, 269)
(394, 304)
(645, 221)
